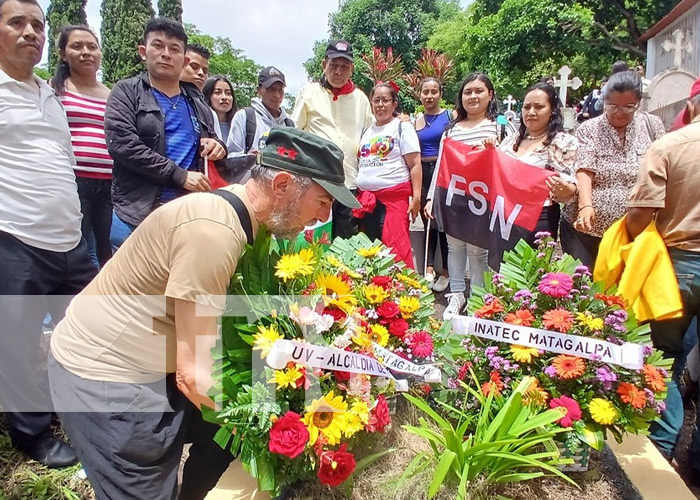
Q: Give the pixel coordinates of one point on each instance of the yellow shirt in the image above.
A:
(121, 328)
(340, 121)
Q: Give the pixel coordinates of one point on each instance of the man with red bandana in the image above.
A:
(333, 108)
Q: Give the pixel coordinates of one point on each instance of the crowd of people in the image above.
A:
(119, 181)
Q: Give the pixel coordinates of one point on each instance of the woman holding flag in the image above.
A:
(474, 125)
(542, 142)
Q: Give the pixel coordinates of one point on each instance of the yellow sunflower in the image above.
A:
(408, 305)
(286, 378)
(363, 341)
(334, 261)
(602, 411)
(375, 294)
(265, 339)
(370, 252)
(378, 334)
(337, 292)
(327, 416)
(523, 354)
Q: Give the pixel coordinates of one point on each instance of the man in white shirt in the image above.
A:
(43, 258)
(335, 109)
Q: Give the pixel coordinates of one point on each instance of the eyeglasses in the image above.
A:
(625, 110)
(382, 100)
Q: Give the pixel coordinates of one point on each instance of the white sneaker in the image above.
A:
(441, 284)
(430, 278)
(455, 304)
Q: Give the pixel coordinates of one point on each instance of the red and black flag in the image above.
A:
(487, 198)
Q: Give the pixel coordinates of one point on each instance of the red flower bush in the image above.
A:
(289, 436)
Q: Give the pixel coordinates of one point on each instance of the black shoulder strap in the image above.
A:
(240, 210)
(250, 126)
(289, 122)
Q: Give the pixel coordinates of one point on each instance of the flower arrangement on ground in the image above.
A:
(298, 420)
(537, 289)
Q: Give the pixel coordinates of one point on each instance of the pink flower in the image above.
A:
(573, 410)
(556, 284)
(421, 344)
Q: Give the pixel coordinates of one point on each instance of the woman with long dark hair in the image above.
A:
(475, 124)
(430, 127)
(542, 142)
(218, 93)
(389, 174)
(85, 99)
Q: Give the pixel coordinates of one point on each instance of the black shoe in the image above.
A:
(51, 452)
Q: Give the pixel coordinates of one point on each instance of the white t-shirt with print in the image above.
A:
(381, 164)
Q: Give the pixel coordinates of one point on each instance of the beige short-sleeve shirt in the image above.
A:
(669, 179)
(121, 328)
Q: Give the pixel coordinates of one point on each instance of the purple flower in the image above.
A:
(583, 270)
(614, 340)
(491, 351)
(541, 255)
(660, 406)
(488, 298)
(522, 295)
(497, 278)
(452, 384)
(606, 376)
(551, 371)
(647, 350)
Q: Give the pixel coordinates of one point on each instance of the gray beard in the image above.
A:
(280, 219)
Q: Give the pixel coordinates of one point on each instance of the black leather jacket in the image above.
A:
(135, 133)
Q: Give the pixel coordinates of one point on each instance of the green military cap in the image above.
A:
(306, 154)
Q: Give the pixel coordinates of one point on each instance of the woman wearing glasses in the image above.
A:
(611, 147)
(389, 174)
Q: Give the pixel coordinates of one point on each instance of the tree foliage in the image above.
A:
(230, 62)
(62, 13)
(403, 25)
(171, 9)
(123, 22)
(516, 42)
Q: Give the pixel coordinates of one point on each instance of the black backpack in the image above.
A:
(251, 126)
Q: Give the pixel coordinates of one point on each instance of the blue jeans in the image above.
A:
(458, 253)
(120, 232)
(668, 337)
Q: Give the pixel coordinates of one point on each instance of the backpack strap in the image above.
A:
(289, 122)
(251, 126)
(241, 211)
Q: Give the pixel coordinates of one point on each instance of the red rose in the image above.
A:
(398, 327)
(388, 310)
(383, 281)
(336, 466)
(379, 417)
(337, 314)
(289, 436)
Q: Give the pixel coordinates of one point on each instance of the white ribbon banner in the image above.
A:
(628, 355)
(325, 358)
(430, 373)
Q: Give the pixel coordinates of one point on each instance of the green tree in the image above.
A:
(516, 42)
(123, 22)
(62, 13)
(403, 25)
(171, 9)
(230, 62)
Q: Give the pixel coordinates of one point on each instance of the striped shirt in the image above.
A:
(86, 120)
(473, 136)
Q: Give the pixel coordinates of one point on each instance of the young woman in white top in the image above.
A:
(475, 124)
(389, 174)
(542, 142)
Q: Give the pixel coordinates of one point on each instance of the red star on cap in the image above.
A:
(287, 153)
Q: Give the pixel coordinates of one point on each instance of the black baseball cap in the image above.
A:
(269, 76)
(339, 48)
(306, 154)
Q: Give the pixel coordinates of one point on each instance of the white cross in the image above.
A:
(510, 102)
(678, 47)
(564, 83)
